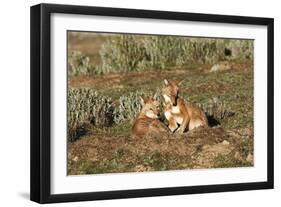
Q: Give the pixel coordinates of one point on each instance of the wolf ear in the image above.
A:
(166, 82)
(142, 100)
(155, 96)
(178, 82)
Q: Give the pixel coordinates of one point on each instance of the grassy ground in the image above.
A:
(201, 148)
(105, 150)
(228, 143)
(234, 87)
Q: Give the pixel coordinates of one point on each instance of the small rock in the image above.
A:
(222, 66)
(225, 142)
(142, 168)
(250, 158)
(94, 159)
(206, 146)
(237, 156)
(75, 159)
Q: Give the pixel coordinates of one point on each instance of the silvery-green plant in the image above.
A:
(86, 106)
(122, 53)
(136, 52)
(216, 108)
(79, 64)
(164, 51)
(129, 106)
(241, 49)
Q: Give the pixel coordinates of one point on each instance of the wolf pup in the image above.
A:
(147, 121)
(181, 115)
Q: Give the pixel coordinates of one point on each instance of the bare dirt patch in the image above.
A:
(118, 78)
(207, 87)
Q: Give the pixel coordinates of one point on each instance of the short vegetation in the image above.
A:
(123, 53)
(104, 86)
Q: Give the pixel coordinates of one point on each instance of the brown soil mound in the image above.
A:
(199, 148)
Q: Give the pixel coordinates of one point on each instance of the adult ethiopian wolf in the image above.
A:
(181, 115)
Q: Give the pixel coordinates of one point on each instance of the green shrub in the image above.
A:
(216, 108)
(216, 111)
(241, 49)
(79, 64)
(204, 51)
(164, 51)
(122, 53)
(136, 52)
(129, 106)
(87, 107)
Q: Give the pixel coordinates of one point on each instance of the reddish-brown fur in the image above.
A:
(147, 121)
(181, 115)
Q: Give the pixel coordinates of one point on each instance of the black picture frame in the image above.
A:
(41, 99)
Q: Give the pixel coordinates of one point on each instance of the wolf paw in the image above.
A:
(180, 131)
